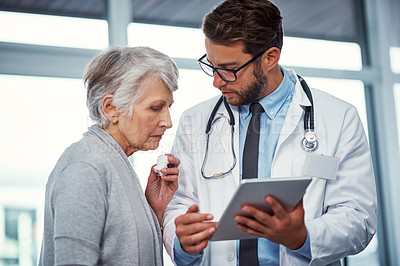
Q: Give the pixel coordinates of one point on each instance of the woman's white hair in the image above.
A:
(119, 71)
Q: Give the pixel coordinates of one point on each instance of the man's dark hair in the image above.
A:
(257, 24)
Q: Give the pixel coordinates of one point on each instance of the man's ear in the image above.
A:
(109, 110)
(271, 58)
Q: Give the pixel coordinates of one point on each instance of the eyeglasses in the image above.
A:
(226, 74)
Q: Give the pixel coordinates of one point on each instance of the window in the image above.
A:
(53, 30)
(41, 118)
(321, 54)
(182, 42)
(395, 59)
(50, 111)
(396, 91)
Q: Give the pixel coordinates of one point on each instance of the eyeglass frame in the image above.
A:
(233, 71)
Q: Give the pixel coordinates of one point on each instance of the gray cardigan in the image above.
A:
(95, 209)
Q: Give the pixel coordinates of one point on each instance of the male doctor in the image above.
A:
(337, 215)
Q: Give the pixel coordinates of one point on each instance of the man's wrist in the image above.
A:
(181, 257)
(305, 249)
(297, 244)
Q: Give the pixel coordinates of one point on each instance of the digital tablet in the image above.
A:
(288, 191)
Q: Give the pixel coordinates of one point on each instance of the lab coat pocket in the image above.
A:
(321, 166)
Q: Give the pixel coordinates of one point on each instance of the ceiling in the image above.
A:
(322, 19)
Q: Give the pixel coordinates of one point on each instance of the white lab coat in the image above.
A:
(340, 213)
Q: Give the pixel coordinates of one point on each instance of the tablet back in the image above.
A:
(288, 191)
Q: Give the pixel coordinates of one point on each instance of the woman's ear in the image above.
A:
(271, 58)
(109, 110)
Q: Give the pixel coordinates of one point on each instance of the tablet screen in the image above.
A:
(288, 191)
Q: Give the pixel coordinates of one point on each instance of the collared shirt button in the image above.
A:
(230, 256)
(271, 113)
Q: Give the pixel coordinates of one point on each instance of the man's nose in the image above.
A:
(218, 82)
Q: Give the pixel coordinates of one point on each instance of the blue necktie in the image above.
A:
(248, 248)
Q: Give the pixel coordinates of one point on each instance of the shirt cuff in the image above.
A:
(181, 257)
(305, 250)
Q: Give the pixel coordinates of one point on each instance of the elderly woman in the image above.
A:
(95, 210)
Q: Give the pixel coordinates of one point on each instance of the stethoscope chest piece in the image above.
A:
(310, 141)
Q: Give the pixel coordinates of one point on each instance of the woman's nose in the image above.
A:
(166, 119)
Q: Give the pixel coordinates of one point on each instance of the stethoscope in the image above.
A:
(309, 143)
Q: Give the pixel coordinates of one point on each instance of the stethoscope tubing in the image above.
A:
(309, 143)
(208, 132)
(309, 112)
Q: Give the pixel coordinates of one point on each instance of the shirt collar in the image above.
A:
(273, 102)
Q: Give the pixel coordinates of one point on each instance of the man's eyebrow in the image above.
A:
(224, 65)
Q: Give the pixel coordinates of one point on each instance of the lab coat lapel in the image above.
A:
(295, 114)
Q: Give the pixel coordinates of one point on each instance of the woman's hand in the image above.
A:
(160, 189)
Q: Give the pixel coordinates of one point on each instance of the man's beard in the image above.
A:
(253, 91)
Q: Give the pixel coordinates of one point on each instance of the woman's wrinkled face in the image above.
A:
(150, 118)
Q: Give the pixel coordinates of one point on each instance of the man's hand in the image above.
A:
(194, 229)
(285, 228)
